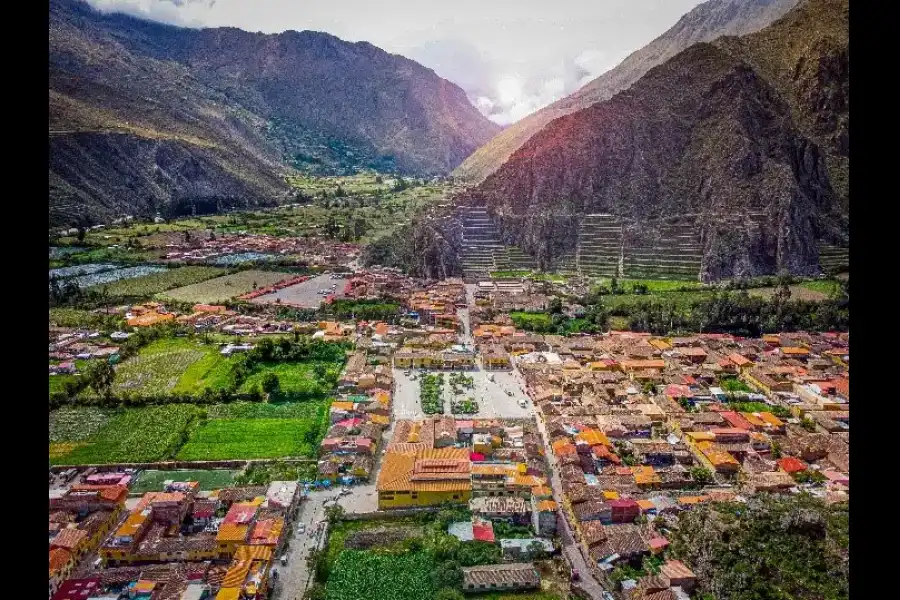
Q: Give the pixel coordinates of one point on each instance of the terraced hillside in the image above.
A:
(482, 249)
(665, 250)
(599, 250)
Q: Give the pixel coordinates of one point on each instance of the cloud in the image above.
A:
(186, 13)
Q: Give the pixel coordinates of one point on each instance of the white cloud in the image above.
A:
(550, 48)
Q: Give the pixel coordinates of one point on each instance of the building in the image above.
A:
(512, 576)
(412, 475)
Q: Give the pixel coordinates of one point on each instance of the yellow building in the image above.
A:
(424, 477)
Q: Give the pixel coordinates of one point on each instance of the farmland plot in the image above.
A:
(94, 279)
(147, 434)
(362, 574)
(158, 368)
(161, 281)
(267, 431)
(225, 288)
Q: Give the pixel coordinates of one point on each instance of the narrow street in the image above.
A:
(571, 547)
(294, 577)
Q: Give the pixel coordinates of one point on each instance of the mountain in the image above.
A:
(146, 116)
(748, 135)
(702, 24)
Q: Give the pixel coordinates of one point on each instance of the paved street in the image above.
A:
(571, 548)
(293, 578)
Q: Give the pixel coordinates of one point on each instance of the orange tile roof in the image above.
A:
(611, 494)
(646, 505)
(342, 405)
(692, 499)
(739, 359)
(132, 524)
(547, 505)
(634, 365)
(113, 493)
(645, 475)
(230, 593)
(794, 351)
(69, 538)
(398, 467)
(593, 437)
(59, 558)
(244, 552)
(229, 532)
(716, 454)
(771, 419)
(493, 470)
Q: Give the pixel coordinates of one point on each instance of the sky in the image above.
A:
(511, 57)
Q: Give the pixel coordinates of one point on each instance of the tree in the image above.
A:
(335, 512)
(701, 475)
(555, 307)
(315, 592)
(449, 593)
(400, 184)
(81, 233)
(320, 371)
(331, 228)
(100, 375)
(378, 179)
(187, 236)
(339, 192)
(271, 385)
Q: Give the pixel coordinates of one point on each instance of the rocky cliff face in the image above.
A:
(704, 23)
(724, 129)
(226, 112)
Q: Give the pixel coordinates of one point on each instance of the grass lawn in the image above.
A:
(147, 434)
(209, 479)
(810, 290)
(247, 430)
(532, 321)
(221, 289)
(823, 286)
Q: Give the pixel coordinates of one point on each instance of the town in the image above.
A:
(317, 434)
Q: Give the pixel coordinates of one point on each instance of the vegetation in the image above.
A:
(148, 285)
(264, 474)
(431, 558)
(431, 390)
(243, 430)
(209, 479)
(732, 384)
(129, 435)
(751, 407)
(363, 310)
(771, 547)
(222, 289)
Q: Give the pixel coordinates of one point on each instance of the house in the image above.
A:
(500, 577)
(543, 515)
(678, 574)
(511, 509)
(424, 477)
(525, 548)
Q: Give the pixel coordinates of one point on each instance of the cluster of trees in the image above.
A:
(365, 310)
(354, 228)
(737, 313)
(770, 547)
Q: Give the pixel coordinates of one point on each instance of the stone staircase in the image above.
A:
(599, 249)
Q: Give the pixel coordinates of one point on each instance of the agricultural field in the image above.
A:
(266, 473)
(364, 574)
(810, 290)
(147, 434)
(222, 289)
(161, 281)
(243, 430)
(209, 479)
(172, 365)
(114, 275)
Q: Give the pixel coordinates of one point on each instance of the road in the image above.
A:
(294, 577)
(571, 548)
(304, 294)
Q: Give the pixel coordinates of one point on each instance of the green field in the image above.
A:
(245, 430)
(148, 285)
(173, 365)
(77, 424)
(362, 574)
(294, 378)
(222, 289)
(128, 435)
(209, 479)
